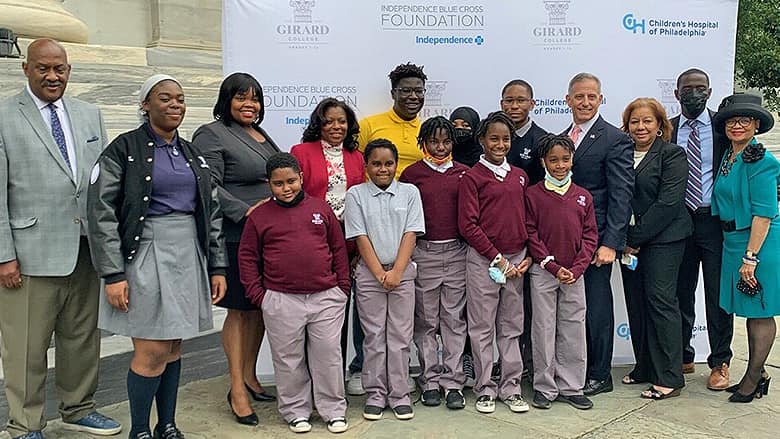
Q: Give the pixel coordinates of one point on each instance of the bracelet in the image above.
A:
(546, 260)
(749, 261)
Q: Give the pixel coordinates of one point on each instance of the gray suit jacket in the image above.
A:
(237, 165)
(42, 204)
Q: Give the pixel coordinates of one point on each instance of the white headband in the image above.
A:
(147, 87)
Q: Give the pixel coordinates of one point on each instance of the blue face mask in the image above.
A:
(497, 275)
(554, 181)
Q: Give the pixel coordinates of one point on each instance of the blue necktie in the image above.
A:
(694, 193)
(58, 134)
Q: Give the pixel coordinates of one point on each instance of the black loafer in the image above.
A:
(250, 419)
(594, 387)
(168, 431)
(259, 396)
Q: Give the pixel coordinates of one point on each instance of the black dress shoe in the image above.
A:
(168, 431)
(594, 387)
(250, 419)
(259, 396)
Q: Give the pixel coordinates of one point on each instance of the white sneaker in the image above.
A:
(300, 425)
(486, 404)
(355, 385)
(338, 425)
(516, 403)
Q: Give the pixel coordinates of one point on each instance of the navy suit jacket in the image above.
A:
(604, 165)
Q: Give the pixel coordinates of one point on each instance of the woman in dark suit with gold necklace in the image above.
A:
(656, 234)
(236, 148)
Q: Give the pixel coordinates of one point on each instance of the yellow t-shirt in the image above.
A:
(390, 126)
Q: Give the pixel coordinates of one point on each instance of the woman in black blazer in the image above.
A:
(656, 236)
(236, 149)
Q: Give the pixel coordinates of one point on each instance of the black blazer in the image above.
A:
(604, 165)
(659, 197)
(720, 143)
(524, 153)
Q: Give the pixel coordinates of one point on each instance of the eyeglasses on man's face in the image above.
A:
(407, 91)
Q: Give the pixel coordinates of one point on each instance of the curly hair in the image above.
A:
(429, 128)
(658, 111)
(377, 144)
(282, 160)
(495, 117)
(313, 131)
(548, 141)
(407, 70)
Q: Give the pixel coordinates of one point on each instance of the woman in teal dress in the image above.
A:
(745, 199)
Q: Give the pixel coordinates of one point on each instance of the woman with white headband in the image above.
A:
(156, 232)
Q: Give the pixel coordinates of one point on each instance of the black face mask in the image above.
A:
(462, 135)
(294, 202)
(694, 102)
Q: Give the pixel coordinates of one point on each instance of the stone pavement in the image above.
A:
(697, 414)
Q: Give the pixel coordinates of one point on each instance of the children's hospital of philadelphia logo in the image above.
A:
(302, 30)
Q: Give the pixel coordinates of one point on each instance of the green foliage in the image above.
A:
(758, 48)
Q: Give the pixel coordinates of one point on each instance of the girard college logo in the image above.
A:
(557, 32)
(302, 30)
(435, 100)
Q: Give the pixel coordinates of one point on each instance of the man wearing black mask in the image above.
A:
(705, 147)
(467, 149)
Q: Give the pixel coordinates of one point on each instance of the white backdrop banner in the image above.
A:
(302, 51)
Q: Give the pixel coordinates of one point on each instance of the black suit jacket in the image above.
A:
(659, 197)
(720, 143)
(604, 165)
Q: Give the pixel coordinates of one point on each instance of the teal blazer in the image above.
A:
(754, 192)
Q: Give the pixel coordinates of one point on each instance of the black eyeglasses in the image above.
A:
(744, 122)
(406, 91)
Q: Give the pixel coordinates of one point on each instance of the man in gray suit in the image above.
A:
(48, 145)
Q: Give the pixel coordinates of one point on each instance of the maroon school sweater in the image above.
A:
(492, 212)
(439, 193)
(298, 250)
(563, 226)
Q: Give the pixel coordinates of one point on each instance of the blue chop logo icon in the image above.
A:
(633, 24)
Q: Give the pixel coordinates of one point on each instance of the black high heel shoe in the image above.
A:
(259, 396)
(762, 388)
(250, 419)
(764, 375)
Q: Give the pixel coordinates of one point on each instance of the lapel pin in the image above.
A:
(592, 136)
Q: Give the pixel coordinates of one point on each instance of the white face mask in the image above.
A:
(554, 181)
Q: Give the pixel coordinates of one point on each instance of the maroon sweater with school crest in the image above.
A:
(562, 226)
(492, 212)
(297, 250)
(439, 193)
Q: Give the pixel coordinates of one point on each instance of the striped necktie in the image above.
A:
(58, 134)
(694, 192)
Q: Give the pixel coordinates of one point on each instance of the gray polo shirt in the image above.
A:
(384, 216)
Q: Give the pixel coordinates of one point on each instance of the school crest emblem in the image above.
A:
(581, 200)
(526, 154)
(522, 180)
(317, 219)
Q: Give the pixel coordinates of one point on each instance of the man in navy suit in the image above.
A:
(704, 247)
(603, 164)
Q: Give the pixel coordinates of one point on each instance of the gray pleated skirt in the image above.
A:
(169, 288)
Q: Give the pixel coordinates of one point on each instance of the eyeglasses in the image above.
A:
(433, 142)
(406, 91)
(744, 122)
(518, 101)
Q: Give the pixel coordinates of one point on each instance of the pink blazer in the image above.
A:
(315, 172)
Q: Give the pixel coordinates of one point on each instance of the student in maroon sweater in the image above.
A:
(562, 238)
(293, 263)
(440, 287)
(491, 219)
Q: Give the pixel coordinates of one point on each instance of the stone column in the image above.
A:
(42, 18)
(186, 24)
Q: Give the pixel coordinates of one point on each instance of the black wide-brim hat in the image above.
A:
(743, 104)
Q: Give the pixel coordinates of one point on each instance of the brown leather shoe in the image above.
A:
(689, 368)
(719, 377)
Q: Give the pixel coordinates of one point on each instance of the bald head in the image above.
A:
(47, 69)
